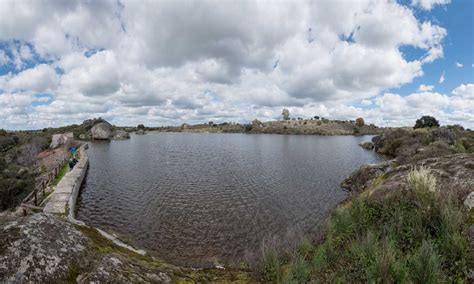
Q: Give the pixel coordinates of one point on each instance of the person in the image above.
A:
(73, 151)
(71, 163)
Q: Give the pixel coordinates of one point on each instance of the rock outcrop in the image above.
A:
(469, 201)
(121, 135)
(45, 248)
(453, 173)
(61, 139)
(101, 131)
(367, 145)
(365, 176)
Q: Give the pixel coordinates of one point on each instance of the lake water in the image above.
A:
(200, 199)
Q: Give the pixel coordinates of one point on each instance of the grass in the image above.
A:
(62, 172)
(413, 235)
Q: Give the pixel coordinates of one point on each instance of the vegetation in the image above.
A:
(410, 145)
(286, 114)
(17, 172)
(414, 235)
(360, 122)
(426, 121)
(62, 172)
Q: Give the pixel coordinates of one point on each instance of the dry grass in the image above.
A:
(421, 179)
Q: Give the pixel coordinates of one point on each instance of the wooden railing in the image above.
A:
(42, 183)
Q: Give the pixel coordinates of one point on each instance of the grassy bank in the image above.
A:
(413, 235)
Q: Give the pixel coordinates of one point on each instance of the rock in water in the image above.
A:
(140, 132)
(367, 145)
(121, 135)
(101, 131)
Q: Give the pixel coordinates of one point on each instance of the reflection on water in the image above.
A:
(205, 198)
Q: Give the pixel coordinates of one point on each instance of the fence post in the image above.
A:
(36, 200)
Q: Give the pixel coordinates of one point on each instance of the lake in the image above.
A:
(205, 199)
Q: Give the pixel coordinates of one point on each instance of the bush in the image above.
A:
(425, 264)
(7, 142)
(426, 121)
(360, 122)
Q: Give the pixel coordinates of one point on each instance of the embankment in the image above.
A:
(63, 199)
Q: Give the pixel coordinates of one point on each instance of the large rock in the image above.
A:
(61, 139)
(365, 175)
(101, 131)
(469, 201)
(367, 145)
(121, 135)
(140, 132)
(454, 173)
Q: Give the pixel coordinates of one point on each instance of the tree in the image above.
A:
(360, 122)
(426, 121)
(286, 114)
(316, 117)
(141, 126)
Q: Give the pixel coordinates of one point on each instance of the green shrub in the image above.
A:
(341, 226)
(425, 265)
(272, 270)
(299, 271)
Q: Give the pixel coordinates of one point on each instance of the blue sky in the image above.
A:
(458, 19)
(166, 63)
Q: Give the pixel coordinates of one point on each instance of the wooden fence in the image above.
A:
(42, 183)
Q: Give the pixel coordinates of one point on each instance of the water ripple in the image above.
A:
(198, 199)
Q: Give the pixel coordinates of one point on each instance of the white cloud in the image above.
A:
(459, 65)
(425, 88)
(465, 91)
(429, 4)
(40, 78)
(394, 109)
(170, 62)
(441, 78)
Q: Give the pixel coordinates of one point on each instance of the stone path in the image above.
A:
(67, 190)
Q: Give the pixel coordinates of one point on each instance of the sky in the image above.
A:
(170, 62)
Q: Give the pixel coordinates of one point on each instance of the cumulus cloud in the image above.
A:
(170, 62)
(41, 78)
(465, 91)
